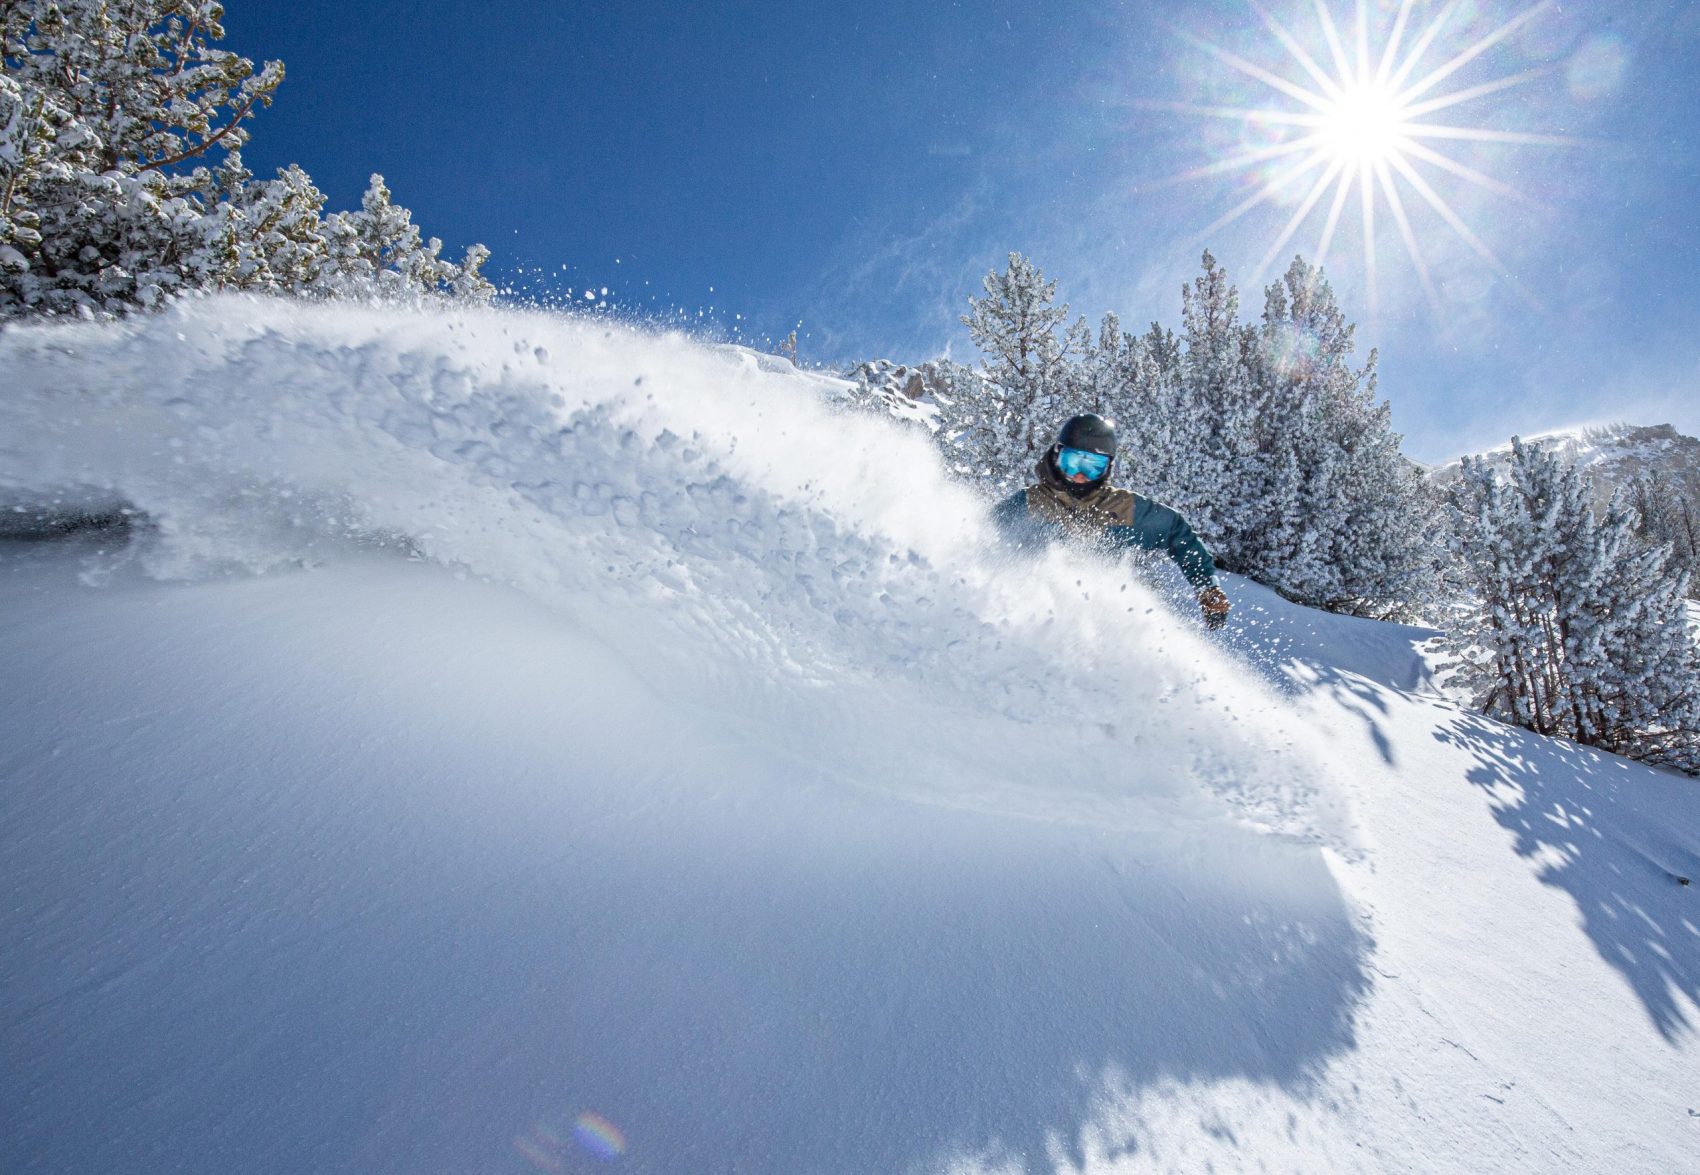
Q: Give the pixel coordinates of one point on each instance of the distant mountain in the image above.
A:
(1614, 456)
(1657, 466)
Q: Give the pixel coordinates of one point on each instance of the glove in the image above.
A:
(1214, 603)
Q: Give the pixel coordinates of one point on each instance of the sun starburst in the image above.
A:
(1360, 125)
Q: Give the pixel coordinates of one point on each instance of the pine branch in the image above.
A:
(235, 119)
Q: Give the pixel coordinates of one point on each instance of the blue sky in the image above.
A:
(858, 168)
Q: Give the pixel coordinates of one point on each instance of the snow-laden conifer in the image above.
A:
(121, 180)
(1027, 373)
(380, 245)
(104, 101)
(1272, 443)
(1219, 480)
(1344, 520)
(1667, 515)
(1576, 627)
(1106, 364)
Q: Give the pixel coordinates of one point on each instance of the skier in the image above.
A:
(1074, 499)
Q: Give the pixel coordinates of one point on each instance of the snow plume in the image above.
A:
(704, 511)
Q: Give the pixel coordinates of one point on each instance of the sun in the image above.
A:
(1363, 127)
(1359, 130)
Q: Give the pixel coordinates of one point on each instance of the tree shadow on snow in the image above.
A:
(1299, 651)
(1272, 635)
(1586, 818)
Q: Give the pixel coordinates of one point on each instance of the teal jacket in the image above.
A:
(1112, 518)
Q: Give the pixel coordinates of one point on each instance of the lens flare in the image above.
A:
(1361, 125)
(599, 1136)
(541, 1148)
(538, 1155)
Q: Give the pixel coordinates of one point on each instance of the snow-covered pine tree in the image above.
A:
(1186, 412)
(1129, 379)
(121, 179)
(469, 283)
(1273, 444)
(1077, 382)
(27, 138)
(108, 98)
(1576, 626)
(1224, 488)
(267, 236)
(380, 246)
(1667, 515)
(1343, 521)
(1027, 374)
(1106, 363)
(1156, 434)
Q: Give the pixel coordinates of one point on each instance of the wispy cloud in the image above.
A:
(896, 289)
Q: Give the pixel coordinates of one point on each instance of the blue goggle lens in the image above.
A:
(1073, 461)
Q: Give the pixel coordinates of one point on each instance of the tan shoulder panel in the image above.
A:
(1118, 504)
(1107, 507)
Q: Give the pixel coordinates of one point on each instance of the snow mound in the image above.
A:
(704, 510)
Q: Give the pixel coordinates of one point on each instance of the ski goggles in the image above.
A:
(1074, 461)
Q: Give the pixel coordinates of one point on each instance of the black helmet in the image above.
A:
(1089, 431)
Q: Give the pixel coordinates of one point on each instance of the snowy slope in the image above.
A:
(507, 744)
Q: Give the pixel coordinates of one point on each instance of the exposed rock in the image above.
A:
(911, 392)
